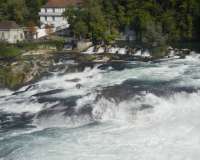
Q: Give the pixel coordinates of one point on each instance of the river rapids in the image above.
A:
(123, 111)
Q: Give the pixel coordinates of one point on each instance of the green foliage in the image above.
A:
(12, 80)
(26, 46)
(87, 58)
(21, 11)
(9, 51)
(153, 35)
(167, 21)
(14, 50)
(90, 22)
(102, 20)
(33, 9)
(59, 44)
(158, 52)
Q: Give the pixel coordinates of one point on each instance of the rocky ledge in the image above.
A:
(15, 73)
(104, 54)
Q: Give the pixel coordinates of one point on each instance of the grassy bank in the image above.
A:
(14, 50)
(9, 51)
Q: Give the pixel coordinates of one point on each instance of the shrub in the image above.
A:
(9, 51)
(158, 52)
(58, 43)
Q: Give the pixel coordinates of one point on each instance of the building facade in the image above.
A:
(52, 13)
(10, 32)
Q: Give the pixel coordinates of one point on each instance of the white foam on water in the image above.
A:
(101, 50)
(172, 53)
(86, 79)
(122, 51)
(16, 107)
(170, 130)
(92, 79)
(5, 92)
(148, 72)
(138, 53)
(146, 54)
(60, 120)
(113, 50)
(89, 51)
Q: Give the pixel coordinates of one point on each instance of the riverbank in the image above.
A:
(34, 62)
(13, 51)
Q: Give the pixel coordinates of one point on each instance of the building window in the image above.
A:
(3, 36)
(45, 18)
(15, 37)
(21, 36)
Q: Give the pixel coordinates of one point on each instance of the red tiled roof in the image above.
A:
(61, 3)
(8, 25)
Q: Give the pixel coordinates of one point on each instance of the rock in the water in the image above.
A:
(75, 80)
(78, 86)
(186, 51)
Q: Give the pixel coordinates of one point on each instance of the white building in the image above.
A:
(52, 13)
(10, 32)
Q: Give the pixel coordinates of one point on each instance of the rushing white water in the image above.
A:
(113, 50)
(139, 111)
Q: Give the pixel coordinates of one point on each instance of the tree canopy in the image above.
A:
(153, 20)
(21, 11)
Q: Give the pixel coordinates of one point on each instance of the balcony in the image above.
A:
(50, 13)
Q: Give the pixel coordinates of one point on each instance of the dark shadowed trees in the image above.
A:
(153, 20)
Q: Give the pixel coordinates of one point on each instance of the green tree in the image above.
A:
(21, 11)
(102, 20)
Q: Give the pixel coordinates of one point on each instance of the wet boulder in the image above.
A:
(186, 51)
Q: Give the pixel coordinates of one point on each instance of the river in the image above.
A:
(126, 111)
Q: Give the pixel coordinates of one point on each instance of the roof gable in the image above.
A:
(8, 25)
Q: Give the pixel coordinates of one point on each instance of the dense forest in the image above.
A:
(155, 21)
(21, 11)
